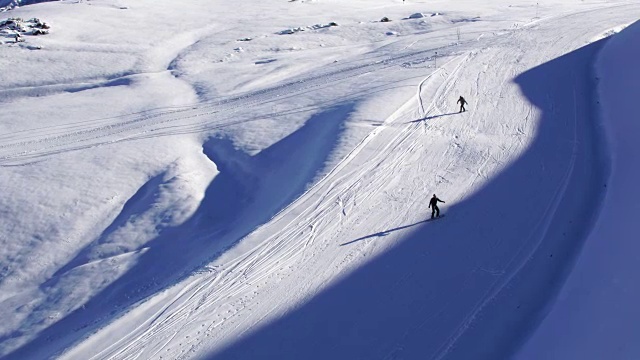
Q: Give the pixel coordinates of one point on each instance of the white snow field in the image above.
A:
(250, 180)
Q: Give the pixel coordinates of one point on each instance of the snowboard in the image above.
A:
(435, 218)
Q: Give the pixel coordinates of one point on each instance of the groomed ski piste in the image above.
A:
(222, 180)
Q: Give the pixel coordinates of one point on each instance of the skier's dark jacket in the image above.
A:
(434, 202)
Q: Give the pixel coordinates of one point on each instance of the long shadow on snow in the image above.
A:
(383, 233)
(432, 117)
(247, 192)
(475, 284)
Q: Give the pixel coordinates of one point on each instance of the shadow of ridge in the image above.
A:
(178, 251)
(484, 279)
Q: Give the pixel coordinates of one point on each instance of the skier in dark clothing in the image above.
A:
(462, 102)
(433, 204)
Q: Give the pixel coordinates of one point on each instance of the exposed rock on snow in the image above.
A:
(312, 27)
(422, 15)
(290, 31)
(12, 30)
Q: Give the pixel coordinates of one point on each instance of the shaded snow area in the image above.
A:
(231, 181)
(596, 315)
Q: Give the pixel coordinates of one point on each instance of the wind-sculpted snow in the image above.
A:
(245, 192)
(192, 184)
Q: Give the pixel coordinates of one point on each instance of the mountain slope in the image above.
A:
(235, 191)
(440, 303)
(596, 314)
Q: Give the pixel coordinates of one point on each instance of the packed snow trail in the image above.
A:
(408, 288)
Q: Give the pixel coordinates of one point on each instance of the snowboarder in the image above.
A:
(462, 102)
(433, 204)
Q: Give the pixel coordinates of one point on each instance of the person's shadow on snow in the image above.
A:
(431, 117)
(384, 233)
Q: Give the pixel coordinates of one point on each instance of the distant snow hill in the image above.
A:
(10, 4)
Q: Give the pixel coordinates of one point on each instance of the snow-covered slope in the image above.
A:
(242, 181)
(11, 4)
(596, 315)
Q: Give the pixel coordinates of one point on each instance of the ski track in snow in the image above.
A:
(15, 147)
(288, 256)
(23, 145)
(319, 214)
